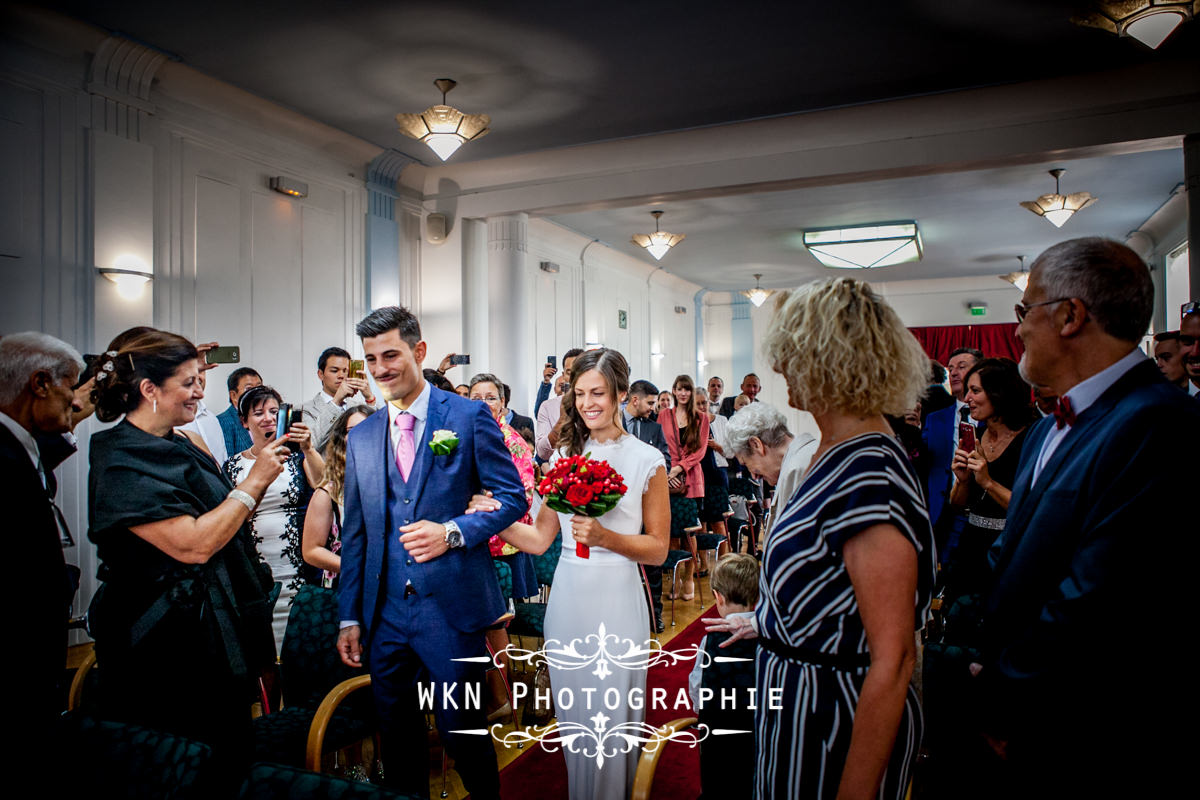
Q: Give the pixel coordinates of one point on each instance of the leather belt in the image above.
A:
(805, 655)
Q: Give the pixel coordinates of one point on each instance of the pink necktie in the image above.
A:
(406, 449)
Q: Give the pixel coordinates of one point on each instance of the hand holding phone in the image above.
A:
(966, 436)
(214, 355)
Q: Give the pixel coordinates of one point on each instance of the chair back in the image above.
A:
(309, 665)
(116, 759)
(545, 564)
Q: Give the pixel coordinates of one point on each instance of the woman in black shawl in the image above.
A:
(182, 618)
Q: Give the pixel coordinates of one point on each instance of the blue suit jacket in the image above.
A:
(462, 581)
(938, 434)
(1093, 571)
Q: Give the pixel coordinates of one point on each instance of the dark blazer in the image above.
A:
(520, 421)
(650, 432)
(938, 435)
(40, 588)
(446, 483)
(1093, 579)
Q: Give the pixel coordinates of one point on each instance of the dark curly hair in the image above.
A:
(151, 355)
(574, 431)
(1006, 391)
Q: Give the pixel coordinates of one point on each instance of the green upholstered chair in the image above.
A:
(283, 782)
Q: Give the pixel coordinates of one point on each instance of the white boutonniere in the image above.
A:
(443, 442)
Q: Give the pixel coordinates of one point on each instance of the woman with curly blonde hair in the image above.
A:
(848, 570)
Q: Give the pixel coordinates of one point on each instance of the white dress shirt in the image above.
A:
(208, 427)
(716, 431)
(1082, 395)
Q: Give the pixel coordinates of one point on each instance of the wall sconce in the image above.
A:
(657, 354)
(129, 281)
(680, 309)
(288, 186)
(548, 266)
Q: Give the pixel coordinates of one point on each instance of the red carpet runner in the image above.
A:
(542, 774)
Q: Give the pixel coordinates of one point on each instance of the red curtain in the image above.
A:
(998, 340)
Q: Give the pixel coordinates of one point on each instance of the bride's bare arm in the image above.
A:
(535, 538)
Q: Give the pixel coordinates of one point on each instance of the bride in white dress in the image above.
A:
(605, 588)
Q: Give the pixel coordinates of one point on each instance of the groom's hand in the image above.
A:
(424, 540)
(349, 647)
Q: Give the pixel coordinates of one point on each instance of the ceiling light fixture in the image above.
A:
(1059, 208)
(659, 242)
(758, 295)
(865, 246)
(442, 127)
(1148, 21)
(1020, 278)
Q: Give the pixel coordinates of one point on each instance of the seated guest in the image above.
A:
(462, 390)
(848, 569)
(1168, 354)
(278, 518)
(321, 542)
(37, 372)
(337, 386)
(727, 762)
(181, 583)
(237, 438)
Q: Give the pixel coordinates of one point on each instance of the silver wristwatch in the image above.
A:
(454, 537)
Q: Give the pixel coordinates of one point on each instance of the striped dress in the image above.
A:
(808, 604)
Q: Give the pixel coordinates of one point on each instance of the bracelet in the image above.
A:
(244, 498)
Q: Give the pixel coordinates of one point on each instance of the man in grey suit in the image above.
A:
(639, 420)
(337, 386)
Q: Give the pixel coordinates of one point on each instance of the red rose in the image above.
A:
(578, 495)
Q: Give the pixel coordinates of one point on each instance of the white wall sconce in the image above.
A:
(549, 266)
(656, 355)
(130, 282)
(285, 185)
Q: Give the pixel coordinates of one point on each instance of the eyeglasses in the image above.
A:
(1021, 309)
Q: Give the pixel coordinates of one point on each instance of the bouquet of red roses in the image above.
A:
(583, 486)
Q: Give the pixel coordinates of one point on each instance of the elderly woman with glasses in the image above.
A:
(759, 438)
(849, 566)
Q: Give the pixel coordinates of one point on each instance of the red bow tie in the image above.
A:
(1063, 413)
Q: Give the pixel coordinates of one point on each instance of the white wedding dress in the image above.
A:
(602, 591)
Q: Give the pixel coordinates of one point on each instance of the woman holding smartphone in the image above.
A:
(278, 520)
(984, 473)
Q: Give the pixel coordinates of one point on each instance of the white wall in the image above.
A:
(173, 181)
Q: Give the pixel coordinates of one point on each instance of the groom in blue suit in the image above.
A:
(1095, 569)
(418, 587)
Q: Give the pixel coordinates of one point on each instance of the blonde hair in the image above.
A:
(840, 347)
(735, 576)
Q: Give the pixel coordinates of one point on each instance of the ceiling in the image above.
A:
(970, 222)
(555, 74)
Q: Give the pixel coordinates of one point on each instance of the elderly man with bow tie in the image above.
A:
(1091, 596)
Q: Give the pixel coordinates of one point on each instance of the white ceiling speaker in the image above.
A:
(436, 226)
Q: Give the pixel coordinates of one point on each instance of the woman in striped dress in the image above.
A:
(849, 566)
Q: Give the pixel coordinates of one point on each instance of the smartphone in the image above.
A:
(288, 416)
(91, 364)
(223, 355)
(552, 361)
(358, 368)
(966, 436)
(457, 360)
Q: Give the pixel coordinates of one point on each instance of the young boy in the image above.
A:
(727, 762)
